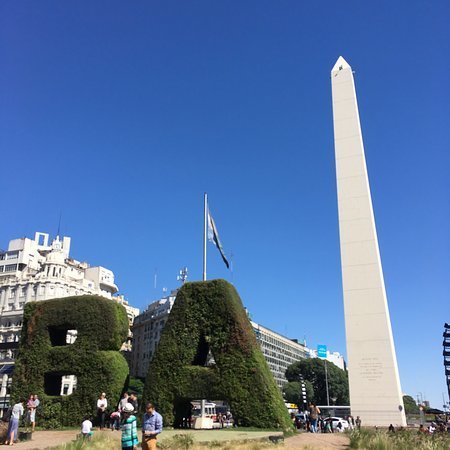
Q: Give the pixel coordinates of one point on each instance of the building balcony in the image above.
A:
(9, 345)
(108, 286)
(12, 313)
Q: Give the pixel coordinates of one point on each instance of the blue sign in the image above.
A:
(322, 351)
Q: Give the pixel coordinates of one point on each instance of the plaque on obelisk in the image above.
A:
(375, 393)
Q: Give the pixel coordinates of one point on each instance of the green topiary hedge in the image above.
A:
(209, 316)
(94, 358)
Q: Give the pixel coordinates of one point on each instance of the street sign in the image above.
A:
(321, 351)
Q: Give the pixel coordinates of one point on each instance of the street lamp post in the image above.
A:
(302, 393)
(326, 383)
(422, 421)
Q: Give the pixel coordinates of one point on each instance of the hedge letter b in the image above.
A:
(79, 336)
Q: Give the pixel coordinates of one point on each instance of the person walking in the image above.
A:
(358, 422)
(151, 426)
(102, 404)
(16, 414)
(314, 412)
(129, 428)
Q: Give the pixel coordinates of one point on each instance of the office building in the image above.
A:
(147, 329)
(334, 357)
(279, 351)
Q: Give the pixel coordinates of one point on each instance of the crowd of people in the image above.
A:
(438, 426)
(315, 422)
(14, 414)
(124, 418)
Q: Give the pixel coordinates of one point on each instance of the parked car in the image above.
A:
(337, 423)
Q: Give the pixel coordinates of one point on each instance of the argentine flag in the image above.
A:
(213, 236)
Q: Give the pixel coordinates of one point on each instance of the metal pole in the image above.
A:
(202, 407)
(326, 383)
(205, 232)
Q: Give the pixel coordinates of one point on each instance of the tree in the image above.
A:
(313, 371)
(136, 385)
(292, 392)
(410, 405)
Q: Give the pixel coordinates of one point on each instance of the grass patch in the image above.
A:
(99, 441)
(182, 441)
(401, 440)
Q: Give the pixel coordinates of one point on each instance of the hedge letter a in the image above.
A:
(208, 350)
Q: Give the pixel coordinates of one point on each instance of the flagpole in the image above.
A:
(205, 231)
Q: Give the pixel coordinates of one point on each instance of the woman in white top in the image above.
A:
(102, 404)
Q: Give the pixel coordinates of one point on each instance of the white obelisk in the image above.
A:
(375, 393)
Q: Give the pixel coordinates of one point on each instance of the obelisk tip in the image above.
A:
(341, 64)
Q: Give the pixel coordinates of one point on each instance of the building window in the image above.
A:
(71, 336)
(12, 255)
(60, 336)
(11, 268)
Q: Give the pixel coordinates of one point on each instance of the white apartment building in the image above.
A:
(279, 351)
(334, 357)
(147, 329)
(36, 270)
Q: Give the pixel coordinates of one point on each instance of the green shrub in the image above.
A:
(94, 358)
(209, 316)
(184, 441)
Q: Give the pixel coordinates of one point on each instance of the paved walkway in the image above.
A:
(46, 439)
(325, 441)
(50, 439)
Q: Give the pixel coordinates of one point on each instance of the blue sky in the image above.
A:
(121, 114)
